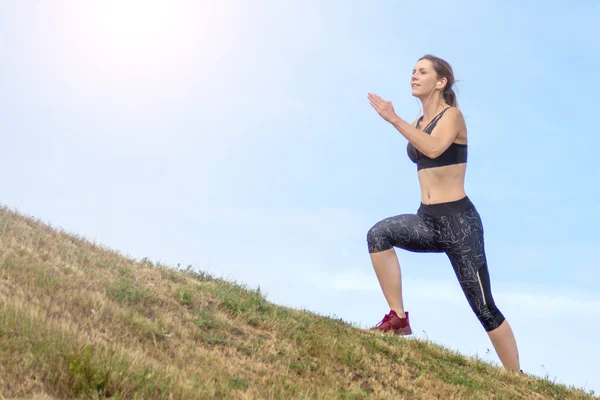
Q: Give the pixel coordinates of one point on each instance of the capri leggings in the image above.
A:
(453, 228)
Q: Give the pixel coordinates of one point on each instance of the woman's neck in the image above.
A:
(432, 108)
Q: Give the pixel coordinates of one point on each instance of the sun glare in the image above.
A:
(147, 50)
(139, 22)
(133, 36)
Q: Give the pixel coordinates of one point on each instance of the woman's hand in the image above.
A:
(383, 107)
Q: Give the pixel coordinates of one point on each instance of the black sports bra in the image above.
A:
(455, 154)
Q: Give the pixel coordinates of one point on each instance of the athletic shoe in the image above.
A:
(392, 322)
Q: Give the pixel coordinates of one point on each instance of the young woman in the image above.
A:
(446, 221)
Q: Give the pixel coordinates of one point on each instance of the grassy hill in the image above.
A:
(78, 320)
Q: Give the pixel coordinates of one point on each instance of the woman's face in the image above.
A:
(424, 79)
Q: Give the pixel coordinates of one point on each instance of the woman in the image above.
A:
(446, 221)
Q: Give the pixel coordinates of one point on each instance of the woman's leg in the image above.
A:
(463, 236)
(387, 268)
(505, 344)
(408, 231)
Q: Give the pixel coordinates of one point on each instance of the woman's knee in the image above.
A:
(377, 238)
(485, 308)
(478, 295)
(492, 319)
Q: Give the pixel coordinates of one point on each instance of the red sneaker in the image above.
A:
(392, 322)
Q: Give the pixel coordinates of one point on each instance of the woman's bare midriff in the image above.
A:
(442, 184)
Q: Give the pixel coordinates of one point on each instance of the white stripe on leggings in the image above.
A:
(481, 286)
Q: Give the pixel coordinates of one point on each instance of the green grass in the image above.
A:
(81, 321)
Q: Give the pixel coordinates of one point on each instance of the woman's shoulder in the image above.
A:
(454, 114)
(457, 119)
(454, 111)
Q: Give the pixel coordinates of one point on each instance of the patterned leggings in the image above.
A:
(453, 228)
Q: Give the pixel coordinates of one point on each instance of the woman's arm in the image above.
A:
(432, 145)
(441, 138)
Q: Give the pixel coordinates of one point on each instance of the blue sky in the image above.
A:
(239, 138)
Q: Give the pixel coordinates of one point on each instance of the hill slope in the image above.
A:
(78, 320)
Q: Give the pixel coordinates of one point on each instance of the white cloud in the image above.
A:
(552, 304)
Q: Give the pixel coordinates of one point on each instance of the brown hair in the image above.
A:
(444, 70)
